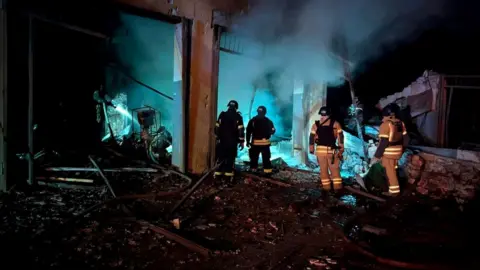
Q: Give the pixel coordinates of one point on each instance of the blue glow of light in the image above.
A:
(124, 112)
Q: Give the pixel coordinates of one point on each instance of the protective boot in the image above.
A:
(326, 185)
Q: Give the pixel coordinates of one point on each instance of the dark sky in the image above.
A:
(450, 47)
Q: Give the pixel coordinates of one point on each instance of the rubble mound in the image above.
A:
(413, 234)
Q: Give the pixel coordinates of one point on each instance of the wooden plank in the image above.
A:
(365, 194)
(174, 237)
(264, 179)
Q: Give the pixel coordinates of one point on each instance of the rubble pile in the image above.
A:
(296, 176)
(441, 177)
(418, 234)
(352, 163)
(32, 213)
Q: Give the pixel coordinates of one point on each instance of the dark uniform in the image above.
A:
(259, 131)
(324, 134)
(230, 134)
(393, 139)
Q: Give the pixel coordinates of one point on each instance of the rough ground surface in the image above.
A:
(246, 225)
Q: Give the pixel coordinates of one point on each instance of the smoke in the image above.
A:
(301, 37)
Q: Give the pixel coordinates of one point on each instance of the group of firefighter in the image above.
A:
(326, 142)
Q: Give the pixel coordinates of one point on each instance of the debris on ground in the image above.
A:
(253, 222)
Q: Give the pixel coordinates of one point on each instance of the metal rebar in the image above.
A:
(74, 169)
(31, 177)
(190, 192)
(100, 171)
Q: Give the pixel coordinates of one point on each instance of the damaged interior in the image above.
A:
(112, 135)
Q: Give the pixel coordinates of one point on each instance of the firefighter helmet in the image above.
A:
(262, 110)
(391, 109)
(233, 104)
(324, 111)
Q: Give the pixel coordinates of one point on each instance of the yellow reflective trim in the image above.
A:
(267, 170)
(241, 126)
(383, 136)
(229, 174)
(394, 191)
(217, 124)
(390, 136)
(393, 155)
(313, 133)
(261, 142)
(218, 173)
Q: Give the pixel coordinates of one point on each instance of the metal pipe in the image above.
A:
(125, 73)
(190, 192)
(463, 86)
(66, 179)
(31, 177)
(177, 238)
(100, 171)
(447, 120)
(3, 96)
(186, 67)
(74, 169)
(69, 26)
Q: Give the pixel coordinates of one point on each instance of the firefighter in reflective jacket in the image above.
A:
(260, 129)
(393, 139)
(325, 133)
(230, 132)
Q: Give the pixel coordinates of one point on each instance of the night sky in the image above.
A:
(449, 47)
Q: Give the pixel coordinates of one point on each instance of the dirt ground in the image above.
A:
(247, 224)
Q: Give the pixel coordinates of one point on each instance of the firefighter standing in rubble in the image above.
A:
(393, 139)
(325, 133)
(259, 130)
(230, 132)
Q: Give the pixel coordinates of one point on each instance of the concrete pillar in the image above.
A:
(3, 96)
(178, 142)
(203, 97)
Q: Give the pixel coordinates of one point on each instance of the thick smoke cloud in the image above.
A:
(295, 36)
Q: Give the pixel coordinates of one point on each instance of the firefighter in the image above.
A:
(393, 139)
(230, 132)
(259, 131)
(327, 134)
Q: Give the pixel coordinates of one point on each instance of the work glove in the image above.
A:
(241, 146)
(249, 145)
(311, 150)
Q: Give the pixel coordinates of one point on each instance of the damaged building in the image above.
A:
(108, 141)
